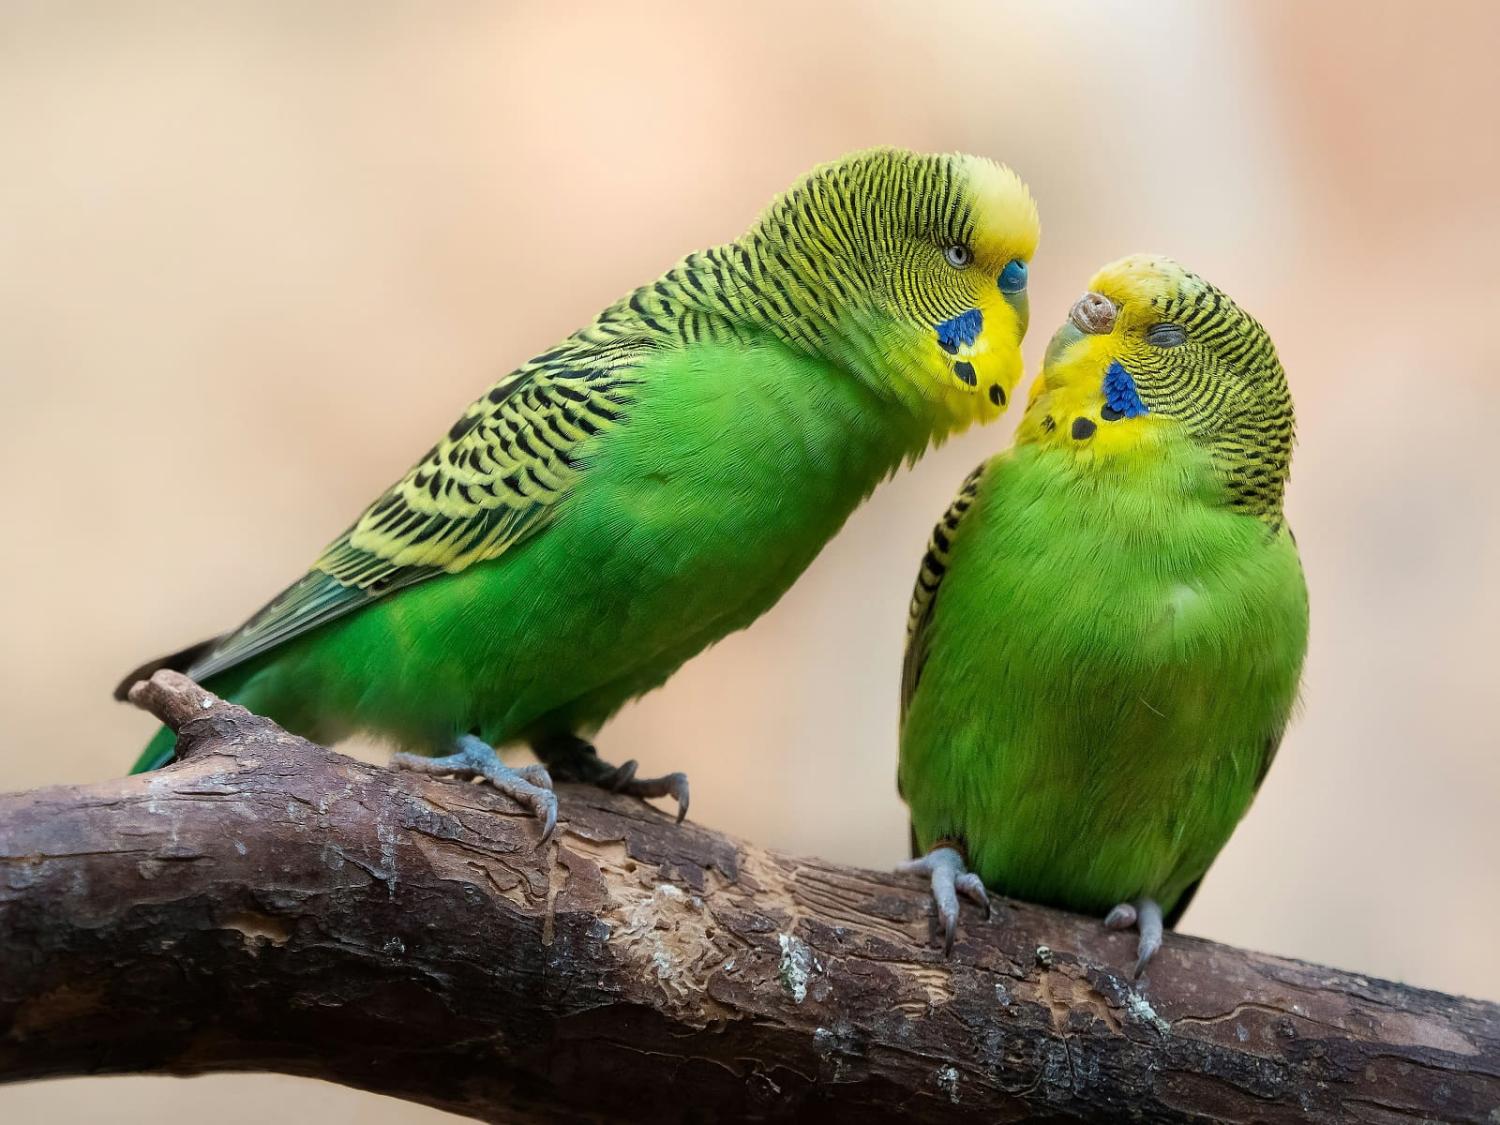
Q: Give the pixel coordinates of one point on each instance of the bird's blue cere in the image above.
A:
(1013, 276)
(1121, 399)
(960, 331)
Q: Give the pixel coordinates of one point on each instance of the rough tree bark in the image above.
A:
(267, 904)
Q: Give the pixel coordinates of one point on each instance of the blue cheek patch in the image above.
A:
(1121, 399)
(961, 331)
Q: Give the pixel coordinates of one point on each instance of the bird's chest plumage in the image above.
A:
(1110, 658)
(735, 467)
(735, 470)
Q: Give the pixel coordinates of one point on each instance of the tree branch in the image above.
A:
(266, 904)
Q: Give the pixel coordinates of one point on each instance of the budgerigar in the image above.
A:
(655, 481)
(1108, 628)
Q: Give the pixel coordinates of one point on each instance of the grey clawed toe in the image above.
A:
(473, 757)
(1145, 915)
(950, 877)
(571, 758)
(674, 785)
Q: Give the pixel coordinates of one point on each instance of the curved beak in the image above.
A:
(1094, 314)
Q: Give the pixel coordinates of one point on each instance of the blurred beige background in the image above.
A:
(254, 256)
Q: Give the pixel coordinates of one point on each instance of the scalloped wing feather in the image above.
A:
(929, 580)
(492, 482)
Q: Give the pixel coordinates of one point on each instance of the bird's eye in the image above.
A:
(1166, 335)
(959, 256)
(1013, 276)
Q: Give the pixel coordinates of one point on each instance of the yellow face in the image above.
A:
(957, 288)
(910, 268)
(1153, 358)
(1119, 336)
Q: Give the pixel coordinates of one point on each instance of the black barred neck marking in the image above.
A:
(929, 580)
(820, 268)
(1227, 386)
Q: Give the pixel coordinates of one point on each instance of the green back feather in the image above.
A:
(818, 275)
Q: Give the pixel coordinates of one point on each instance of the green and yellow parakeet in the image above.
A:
(654, 482)
(1108, 628)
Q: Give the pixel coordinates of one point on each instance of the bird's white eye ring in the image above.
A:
(959, 256)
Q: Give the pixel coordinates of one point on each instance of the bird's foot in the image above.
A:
(950, 877)
(622, 779)
(571, 758)
(1145, 916)
(473, 757)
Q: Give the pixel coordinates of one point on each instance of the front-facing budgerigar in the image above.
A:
(1108, 628)
(655, 481)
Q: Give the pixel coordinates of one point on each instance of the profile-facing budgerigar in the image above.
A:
(1108, 628)
(653, 482)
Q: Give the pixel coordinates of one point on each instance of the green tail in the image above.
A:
(158, 752)
(163, 745)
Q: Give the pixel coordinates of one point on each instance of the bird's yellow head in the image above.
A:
(911, 269)
(1153, 352)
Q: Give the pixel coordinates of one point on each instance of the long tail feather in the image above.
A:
(177, 662)
(163, 745)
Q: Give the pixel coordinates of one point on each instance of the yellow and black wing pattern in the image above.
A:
(493, 481)
(929, 580)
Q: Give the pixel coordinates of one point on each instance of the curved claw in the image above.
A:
(680, 793)
(1145, 915)
(543, 802)
(530, 785)
(674, 785)
(949, 877)
(971, 886)
(1148, 921)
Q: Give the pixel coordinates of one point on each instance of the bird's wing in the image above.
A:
(492, 482)
(924, 599)
(929, 581)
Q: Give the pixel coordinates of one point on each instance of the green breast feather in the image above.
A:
(1108, 629)
(1097, 683)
